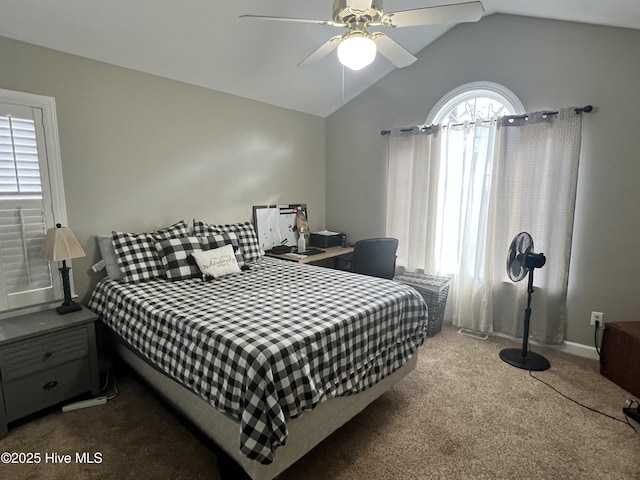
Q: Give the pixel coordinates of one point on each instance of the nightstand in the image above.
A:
(45, 358)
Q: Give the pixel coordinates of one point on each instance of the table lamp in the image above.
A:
(61, 245)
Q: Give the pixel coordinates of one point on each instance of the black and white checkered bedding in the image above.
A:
(269, 343)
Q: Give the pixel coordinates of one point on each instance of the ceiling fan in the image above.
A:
(357, 47)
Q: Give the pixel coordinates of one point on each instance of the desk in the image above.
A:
(331, 252)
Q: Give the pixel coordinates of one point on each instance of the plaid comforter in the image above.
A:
(267, 344)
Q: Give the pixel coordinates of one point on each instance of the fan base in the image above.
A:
(529, 361)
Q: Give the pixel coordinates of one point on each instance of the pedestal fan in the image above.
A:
(521, 260)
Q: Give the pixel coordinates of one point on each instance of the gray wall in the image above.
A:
(548, 64)
(141, 152)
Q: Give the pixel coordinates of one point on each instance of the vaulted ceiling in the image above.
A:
(206, 43)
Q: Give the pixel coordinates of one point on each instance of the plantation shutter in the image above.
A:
(25, 208)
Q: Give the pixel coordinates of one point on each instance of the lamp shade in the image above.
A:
(356, 51)
(61, 244)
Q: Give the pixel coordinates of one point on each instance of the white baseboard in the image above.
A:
(577, 349)
(568, 347)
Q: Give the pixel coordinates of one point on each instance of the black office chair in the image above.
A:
(375, 257)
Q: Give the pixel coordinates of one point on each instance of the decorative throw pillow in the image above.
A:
(217, 262)
(247, 238)
(180, 229)
(137, 256)
(220, 240)
(108, 254)
(175, 254)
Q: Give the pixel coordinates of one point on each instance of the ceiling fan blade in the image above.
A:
(297, 20)
(393, 51)
(361, 5)
(322, 51)
(443, 14)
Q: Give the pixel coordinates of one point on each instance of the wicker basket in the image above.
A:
(434, 290)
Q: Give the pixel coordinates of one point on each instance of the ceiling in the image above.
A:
(205, 43)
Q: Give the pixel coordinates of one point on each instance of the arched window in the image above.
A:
(467, 115)
(475, 101)
(443, 230)
(459, 190)
(451, 184)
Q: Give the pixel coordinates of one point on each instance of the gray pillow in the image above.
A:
(108, 254)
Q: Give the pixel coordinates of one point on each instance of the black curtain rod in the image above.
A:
(585, 109)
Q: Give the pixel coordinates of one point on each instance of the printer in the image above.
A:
(326, 239)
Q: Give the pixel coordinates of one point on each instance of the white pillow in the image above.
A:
(217, 262)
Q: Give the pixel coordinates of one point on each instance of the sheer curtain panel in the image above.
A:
(463, 203)
(439, 185)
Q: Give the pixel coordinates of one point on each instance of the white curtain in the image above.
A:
(464, 195)
(439, 185)
(457, 196)
(534, 183)
(413, 180)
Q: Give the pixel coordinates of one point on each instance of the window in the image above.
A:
(459, 191)
(472, 101)
(465, 173)
(31, 198)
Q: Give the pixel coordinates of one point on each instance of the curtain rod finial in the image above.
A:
(585, 109)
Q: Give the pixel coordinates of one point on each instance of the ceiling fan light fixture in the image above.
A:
(358, 48)
(357, 51)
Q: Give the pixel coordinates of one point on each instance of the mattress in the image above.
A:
(267, 344)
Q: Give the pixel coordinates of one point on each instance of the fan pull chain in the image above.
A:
(342, 82)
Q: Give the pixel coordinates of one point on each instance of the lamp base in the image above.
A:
(64, 309)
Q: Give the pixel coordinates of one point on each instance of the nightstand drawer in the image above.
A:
(30, 356)
(48, 387)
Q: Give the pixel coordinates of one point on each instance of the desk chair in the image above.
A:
(375, 257)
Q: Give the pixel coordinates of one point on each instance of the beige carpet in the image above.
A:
(463, 414)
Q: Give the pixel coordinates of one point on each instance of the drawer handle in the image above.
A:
(50, 385)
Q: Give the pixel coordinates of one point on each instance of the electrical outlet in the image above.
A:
(597, 317)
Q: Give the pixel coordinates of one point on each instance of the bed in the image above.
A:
(270, 360)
